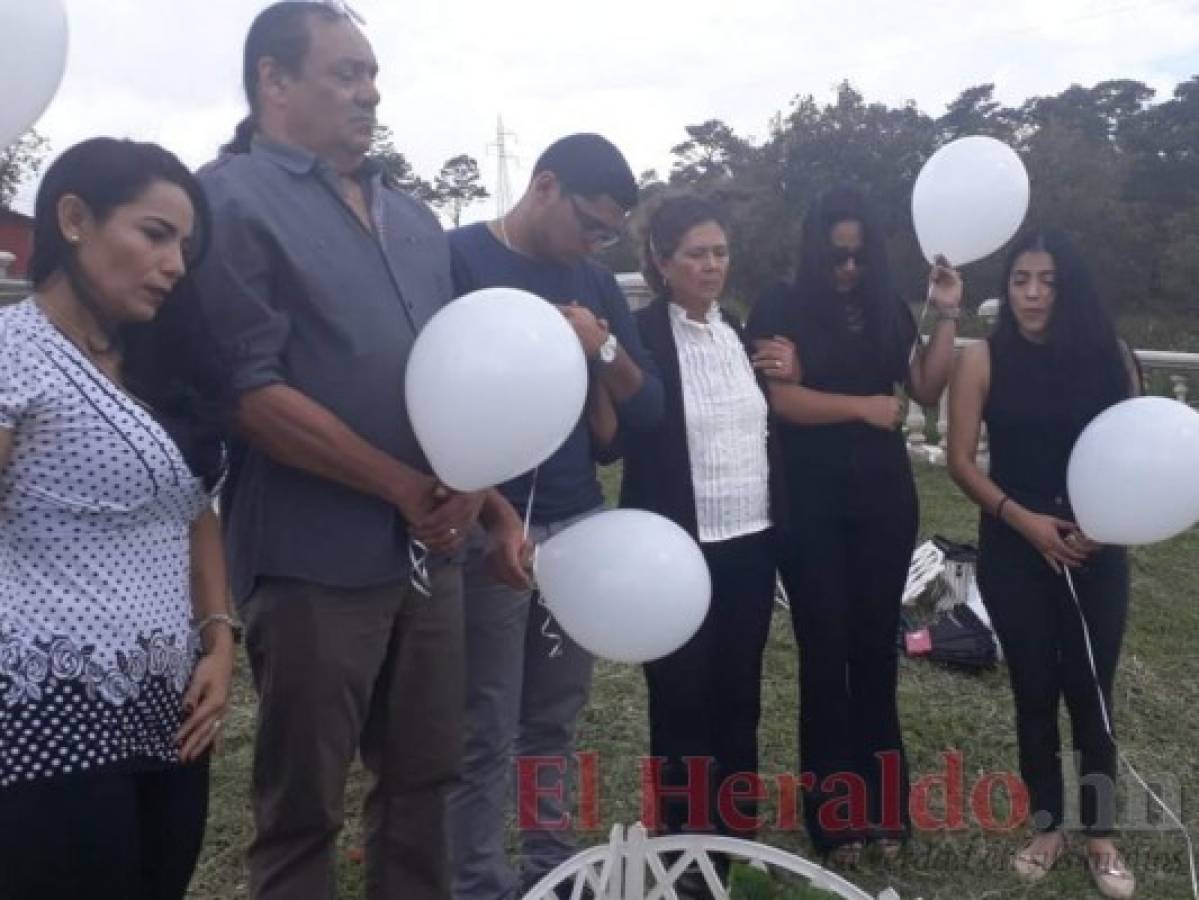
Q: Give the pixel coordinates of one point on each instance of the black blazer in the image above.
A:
(657, 466)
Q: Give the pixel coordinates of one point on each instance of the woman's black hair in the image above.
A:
(670, 221)
(815, 282)
(280, 32)
(106, 173)
(1081, 331)
(169, 363)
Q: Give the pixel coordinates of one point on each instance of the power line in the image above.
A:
(503, 185)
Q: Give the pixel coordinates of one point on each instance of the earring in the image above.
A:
(73, 238)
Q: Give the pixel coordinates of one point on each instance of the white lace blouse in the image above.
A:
(726, 427)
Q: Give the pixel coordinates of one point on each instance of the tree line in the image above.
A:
(455, 187)
(1107, 163)
(1113, 164)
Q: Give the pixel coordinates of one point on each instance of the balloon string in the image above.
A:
(529, 505)
(928, 299)
(547, 625)
(418, 560)
(1107, 724)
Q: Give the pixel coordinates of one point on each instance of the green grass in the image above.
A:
(1156, 714)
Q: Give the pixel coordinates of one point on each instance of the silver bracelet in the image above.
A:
(223, 618)
(950, 314)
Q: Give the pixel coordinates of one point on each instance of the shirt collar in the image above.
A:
(300, 161)
(678, 314)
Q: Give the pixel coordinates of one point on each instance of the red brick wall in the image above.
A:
(16, 236)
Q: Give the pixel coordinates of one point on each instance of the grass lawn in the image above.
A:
(1157, 715)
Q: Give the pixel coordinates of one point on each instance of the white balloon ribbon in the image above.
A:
(547, 626)
(418, 565)
(1107, 724)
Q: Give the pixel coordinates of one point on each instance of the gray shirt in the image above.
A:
(297, 291)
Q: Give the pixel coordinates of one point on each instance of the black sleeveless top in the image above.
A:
(847, 467)
(1034, 413)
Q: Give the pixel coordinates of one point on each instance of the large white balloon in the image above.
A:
(969, 199)
(33, 55)
(627, 585)
(495, 383)
(1134, 472)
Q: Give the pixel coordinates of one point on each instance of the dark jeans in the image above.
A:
(132, 836)
(1037, 624)
(845, 576)
(376, 671)
(705, 698)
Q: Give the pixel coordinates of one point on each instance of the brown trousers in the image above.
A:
(377, 670)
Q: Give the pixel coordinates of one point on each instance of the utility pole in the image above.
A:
(503, 186)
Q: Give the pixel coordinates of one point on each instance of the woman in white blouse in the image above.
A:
(116, 645)
(707, 467)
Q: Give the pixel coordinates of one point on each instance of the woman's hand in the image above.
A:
(945, 286)
(776, 359)
(206, 700)
(1059, 541)
(882, 411)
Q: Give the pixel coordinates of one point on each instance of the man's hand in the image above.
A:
(443, 530)
(591, 331)
(416, 498)
(509, 556)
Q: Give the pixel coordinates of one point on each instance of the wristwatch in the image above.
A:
(607, 350)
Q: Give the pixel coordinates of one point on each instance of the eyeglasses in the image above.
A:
(596, 230)
(341, 8)
(842, 255)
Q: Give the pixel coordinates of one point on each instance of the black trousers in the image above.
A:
(130, 836)
(1038, 626)
(845, 575)
(705, 698)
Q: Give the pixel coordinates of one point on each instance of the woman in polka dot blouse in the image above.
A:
(116, 647)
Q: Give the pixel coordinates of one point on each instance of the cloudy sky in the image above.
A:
(635, 70)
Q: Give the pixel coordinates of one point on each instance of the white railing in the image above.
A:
(926, 434)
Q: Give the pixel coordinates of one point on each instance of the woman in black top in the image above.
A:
(852, 510)
(1052, 364)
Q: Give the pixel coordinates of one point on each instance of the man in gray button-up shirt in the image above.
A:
(320, 276)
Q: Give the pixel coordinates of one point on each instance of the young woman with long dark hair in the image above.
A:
(1052, 363)
(852, 510)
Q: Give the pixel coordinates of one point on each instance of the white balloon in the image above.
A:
(495, 383)
(1134, 472)
(626, 584)
(969, 199)
(33, 34)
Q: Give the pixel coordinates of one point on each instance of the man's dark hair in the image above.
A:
(590, 165)
(280, 32)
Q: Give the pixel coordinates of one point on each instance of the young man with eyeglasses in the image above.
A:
(527, 681)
